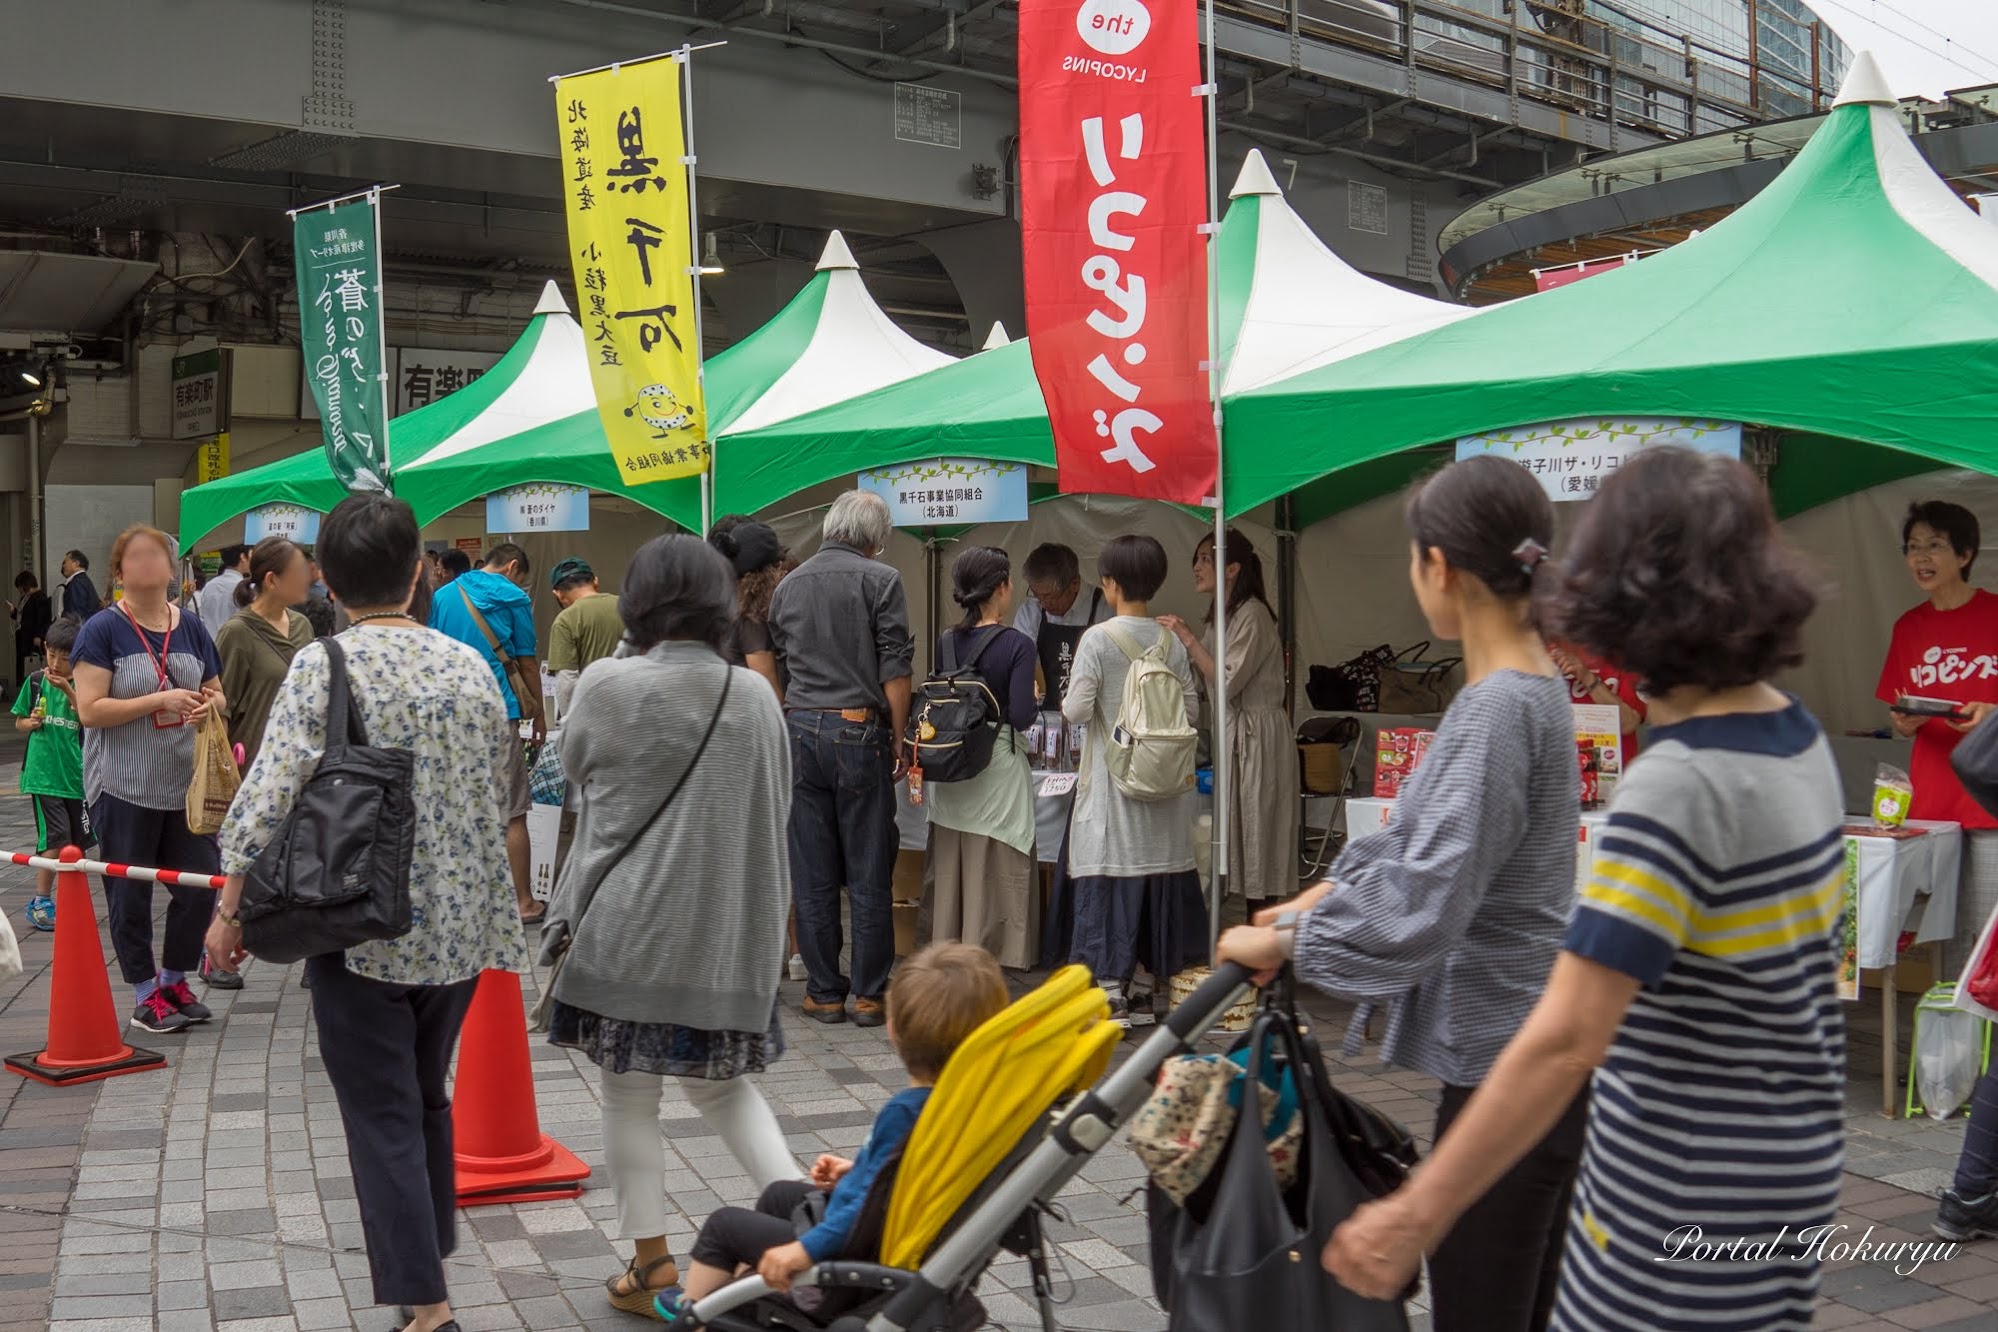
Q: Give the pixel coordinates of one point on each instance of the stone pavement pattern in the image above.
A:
(216, 1195)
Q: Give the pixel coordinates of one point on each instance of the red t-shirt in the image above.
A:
(1953, 655)
(1621, 683)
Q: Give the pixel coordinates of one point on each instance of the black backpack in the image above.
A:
(955, 720)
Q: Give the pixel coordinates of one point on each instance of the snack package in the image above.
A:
(1893, 793)
(1399, 753)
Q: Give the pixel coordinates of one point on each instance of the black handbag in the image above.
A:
(337, 873)
(1975, 760)
(1354, 685)
(1245, 1254)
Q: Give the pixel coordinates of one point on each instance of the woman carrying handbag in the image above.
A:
(1451, 916)
(668, 921)
(389, 1009)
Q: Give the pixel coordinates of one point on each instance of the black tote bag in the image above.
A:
(337, 873)
(1244, 1254)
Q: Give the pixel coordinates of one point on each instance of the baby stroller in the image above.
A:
(985, 1163)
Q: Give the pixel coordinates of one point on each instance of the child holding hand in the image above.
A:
(938, 998)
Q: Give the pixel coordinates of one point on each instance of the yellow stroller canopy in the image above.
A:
(1004, 1079)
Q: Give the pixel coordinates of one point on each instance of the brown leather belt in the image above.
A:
(844, 714)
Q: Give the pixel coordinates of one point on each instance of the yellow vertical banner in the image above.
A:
(631, 246)
(211, 460)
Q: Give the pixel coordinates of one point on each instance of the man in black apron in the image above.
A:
(1056, 615)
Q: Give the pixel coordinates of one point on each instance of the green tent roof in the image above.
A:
(1856, 297)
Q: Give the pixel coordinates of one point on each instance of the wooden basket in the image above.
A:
(1320, 769)
(1236, 1019)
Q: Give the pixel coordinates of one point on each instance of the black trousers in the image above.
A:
(387, 1049)
(1497, 1269)
(129, 834)
(734, 1236)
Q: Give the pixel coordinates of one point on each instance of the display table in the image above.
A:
(912, 822)
(1901, 883)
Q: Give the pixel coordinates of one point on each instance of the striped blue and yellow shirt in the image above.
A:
(1715, 1132)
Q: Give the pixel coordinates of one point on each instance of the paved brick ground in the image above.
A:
(216, 1194)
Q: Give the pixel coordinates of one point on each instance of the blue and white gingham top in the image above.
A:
(1453, 913)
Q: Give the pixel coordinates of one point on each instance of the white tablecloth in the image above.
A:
(912, 822)
(1904, 878)
(1899, 878)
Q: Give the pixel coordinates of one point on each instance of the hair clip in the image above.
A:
(1529, 553)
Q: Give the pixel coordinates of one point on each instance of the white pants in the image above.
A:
(636, 1153)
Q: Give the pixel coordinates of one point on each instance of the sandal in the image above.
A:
(639, 1299)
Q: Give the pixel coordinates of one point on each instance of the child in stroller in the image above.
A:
(938, 998)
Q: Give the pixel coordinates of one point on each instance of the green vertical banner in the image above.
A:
(338, 255)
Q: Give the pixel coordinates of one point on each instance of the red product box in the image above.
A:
(1399, 754)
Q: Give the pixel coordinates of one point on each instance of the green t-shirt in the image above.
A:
(588, 631)
(54, 766)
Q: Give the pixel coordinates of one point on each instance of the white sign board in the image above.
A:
(197, 393)
(1572, 459)
(539, 507)
(959, 491)
(293, 522)
(425, 374)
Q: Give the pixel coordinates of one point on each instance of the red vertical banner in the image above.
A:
(1113, 194)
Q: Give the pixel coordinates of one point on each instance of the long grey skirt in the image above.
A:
(981, 891)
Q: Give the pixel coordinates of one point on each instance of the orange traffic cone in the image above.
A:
(83, 1021)
(503, 1156)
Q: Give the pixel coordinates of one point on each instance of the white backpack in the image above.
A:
(1151, 746)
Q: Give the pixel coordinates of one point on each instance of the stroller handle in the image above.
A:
(1204, 1007)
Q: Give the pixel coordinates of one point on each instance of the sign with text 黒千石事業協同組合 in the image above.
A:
(624, 166)
(1572, 459)
(957, 491)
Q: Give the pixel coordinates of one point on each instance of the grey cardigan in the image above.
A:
(689, 926)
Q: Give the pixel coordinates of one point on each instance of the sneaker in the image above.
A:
(220, 980)
(798, 970)
(157, 1015)
(669, 1304)
(1140, 1009)
(1120, 1011)
(181, 996)
(41, 913)
(1960, 1219)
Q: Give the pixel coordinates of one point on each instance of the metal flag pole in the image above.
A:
(1223, 769)
(684, 57)
(381, 342)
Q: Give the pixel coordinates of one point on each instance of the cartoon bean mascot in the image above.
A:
(659, 408)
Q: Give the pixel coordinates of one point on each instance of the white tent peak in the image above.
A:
(996, 338)
(551, 300)
(1255, 177)
(1865, 84)
(837, 255)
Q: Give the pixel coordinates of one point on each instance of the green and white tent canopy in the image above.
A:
(1287, 304)
(533, 417)
(1855, 299)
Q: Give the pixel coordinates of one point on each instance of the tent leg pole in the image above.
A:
(1223, 769)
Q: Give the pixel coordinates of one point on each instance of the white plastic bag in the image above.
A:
(10, 951)
(1946, 1063)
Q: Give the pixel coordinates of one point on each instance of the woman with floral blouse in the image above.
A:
(389, 1012)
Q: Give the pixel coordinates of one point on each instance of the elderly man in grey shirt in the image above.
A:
(840, 624)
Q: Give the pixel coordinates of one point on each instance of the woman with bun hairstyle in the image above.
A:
(1452, 914)
(1696, 992)
(979, 881)
(259, 641)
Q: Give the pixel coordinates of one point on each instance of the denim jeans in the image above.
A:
(843, 833)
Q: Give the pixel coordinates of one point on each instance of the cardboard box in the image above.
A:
(1398, 753)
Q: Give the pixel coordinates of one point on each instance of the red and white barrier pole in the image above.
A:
(182, 878)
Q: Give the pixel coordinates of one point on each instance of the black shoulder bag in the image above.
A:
(337, 873)
(1245, 1253)
(540, 1015)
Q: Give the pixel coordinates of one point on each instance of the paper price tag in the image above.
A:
(1058, 783)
